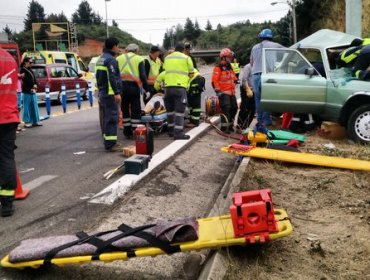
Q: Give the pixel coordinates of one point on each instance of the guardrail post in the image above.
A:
(47, 100)
(64, 98)
(78, 92)
(91, 97)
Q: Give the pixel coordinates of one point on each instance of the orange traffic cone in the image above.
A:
(20, 193)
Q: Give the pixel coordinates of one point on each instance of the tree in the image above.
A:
(8, 31)
(208, 26)
(84, 14)
(196, 29)
(56, 18)
(35, 14)
(189, 30)
(114, 23)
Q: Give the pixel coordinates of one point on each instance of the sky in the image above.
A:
(148, 20)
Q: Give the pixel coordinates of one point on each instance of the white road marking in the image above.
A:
(39, 181)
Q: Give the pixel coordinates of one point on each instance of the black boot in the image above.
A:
(7, 206)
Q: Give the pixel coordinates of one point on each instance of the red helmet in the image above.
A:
(226, 52)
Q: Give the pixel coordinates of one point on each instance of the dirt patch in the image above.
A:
(329, 210)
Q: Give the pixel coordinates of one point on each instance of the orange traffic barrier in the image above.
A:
(20, 193)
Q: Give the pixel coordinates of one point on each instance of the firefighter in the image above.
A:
(361, 69)
(187, 50)
(179, 69)
(348, 57)
(109, 85)
(236, 67)
(223, 81)
(194, 92)
(9, 120)
(134, 82)
(153, 65)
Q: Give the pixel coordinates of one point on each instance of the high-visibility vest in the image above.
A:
(178, 66)
(155, 66)
(100, 66)
(235, 67)
(128, 64)
(348, 55)
(8, 88)
(159, 81)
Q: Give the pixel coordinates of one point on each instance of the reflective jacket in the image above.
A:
(128, 64)
(159, 82)
(107, 74)
(196, 83)
(178, 66)
(8, 88)
(235, 67)
(223, 80)
(155, 67)
(349, 55)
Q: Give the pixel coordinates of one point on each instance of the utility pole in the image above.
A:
(106, 16)
(292, 5)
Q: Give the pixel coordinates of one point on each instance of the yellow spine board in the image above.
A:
(303, 158)
(214, 232)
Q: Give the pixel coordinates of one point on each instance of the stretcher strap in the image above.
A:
(82, 238)
(152, 240)
(127, 231)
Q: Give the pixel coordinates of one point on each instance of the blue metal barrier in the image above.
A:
(78, 93)
(47, 100)
(64, 98)
(91, 97)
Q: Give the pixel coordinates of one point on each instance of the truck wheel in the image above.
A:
(359, 124)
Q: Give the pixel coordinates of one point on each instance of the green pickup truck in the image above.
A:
(305, 79)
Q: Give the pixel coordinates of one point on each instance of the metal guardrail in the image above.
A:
(205, 53)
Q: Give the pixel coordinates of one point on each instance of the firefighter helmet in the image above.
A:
(226, 52)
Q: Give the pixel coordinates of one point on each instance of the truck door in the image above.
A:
(290, 83)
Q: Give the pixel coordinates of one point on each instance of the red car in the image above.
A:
(55, 75)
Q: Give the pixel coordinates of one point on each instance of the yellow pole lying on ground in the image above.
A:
(303, 158)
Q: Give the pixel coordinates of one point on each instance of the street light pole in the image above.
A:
(292, 5)
(294, 21)
(106, 16)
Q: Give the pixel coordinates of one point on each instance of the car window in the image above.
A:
(58, 72)
(60, 61)
(285, 61)
(40, 72)
(82, 66)
(71, 72)
(71, 60)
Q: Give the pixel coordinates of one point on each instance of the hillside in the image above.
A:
(98, 32)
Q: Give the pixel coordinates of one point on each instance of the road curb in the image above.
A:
(216, 263)
(118, 188)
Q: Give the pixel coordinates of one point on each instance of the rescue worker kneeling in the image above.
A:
(223, 81)
(179, 69)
